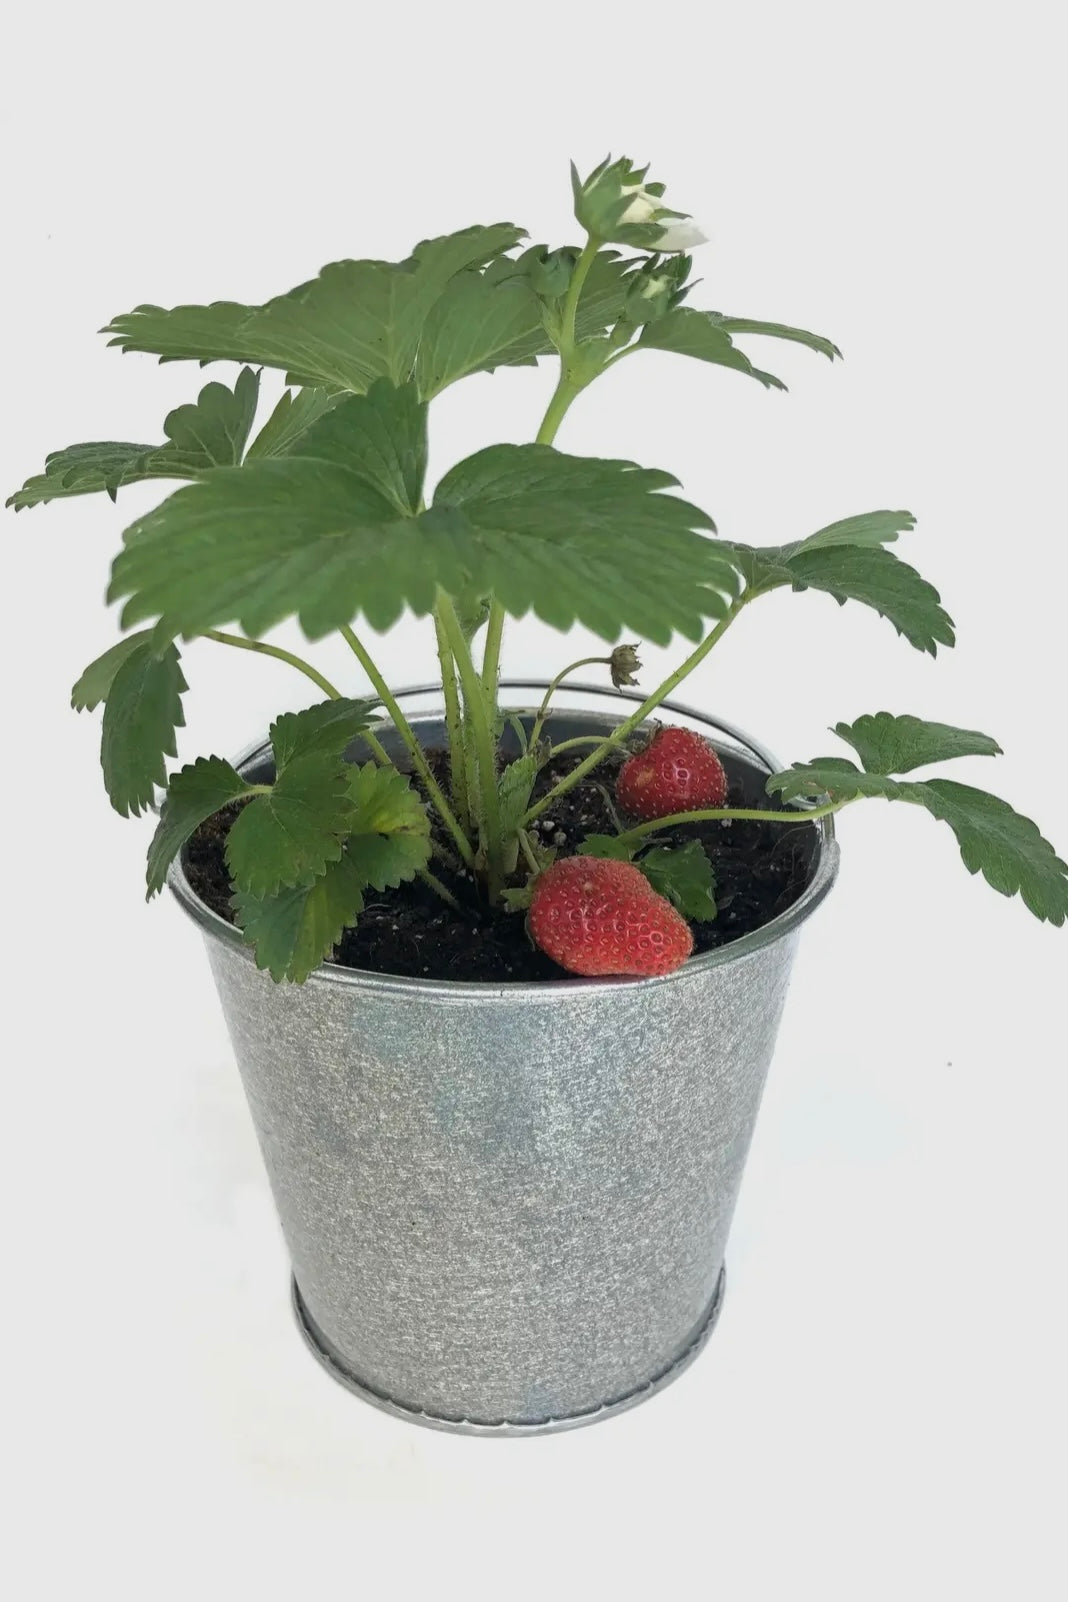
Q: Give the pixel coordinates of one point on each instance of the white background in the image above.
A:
(881, 1412)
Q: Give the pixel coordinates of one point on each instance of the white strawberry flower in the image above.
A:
(676, 233)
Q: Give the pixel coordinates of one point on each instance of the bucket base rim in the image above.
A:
(331, 1361)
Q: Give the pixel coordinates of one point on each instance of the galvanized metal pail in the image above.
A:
(507, 1206)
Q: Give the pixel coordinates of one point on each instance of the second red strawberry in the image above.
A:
(677, 772)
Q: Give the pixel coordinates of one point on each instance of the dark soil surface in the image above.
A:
(760, 870)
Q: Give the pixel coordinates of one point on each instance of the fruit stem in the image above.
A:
(628, 726)
(554, 685)
(276, 651)
(727, 814)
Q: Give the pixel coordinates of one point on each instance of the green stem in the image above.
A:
(630, 724)
(477, 707)
(491, 658)
(454, 725)
(404, 729)
(554, 685)
(524, 845)
(439, 889)
(565, 392)
(275, 650)
(572, 745)
(378, 750)
(743, 814)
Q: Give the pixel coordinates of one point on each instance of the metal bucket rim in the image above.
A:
(444, 990)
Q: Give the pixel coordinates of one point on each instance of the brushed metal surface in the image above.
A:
(507, 1206)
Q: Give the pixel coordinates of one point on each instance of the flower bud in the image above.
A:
(616, 205)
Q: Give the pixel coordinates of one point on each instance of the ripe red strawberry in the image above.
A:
(677, 772)
(595, 916)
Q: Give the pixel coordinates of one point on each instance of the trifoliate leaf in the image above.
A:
(798, 336)
(849, 561)
(380, 437)
(574, 539)
(193, 795)
(294, 930)
(290, 421)
(357, 321)
(696, 333)
(389, 832)
(142, 711)
(889, 744)
(288, 836)
(328, 728)
(212, 432)
(996, 841)
(98, 677)
(684, 875)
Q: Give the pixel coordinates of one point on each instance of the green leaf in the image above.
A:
(85, 469)
(290, 421)
(477, 325)
(296, 929)
(578, 539)
(142, 711)
(835, 777)
(212, 432)
(889, 744)
(996, 841)
(328, 728)
(880, 580)
(380, 437)
(97, 679)
(574, 539)
(513, 790)
(389, 833)
(696, 333)
(849, 560)
(867, 528)
(1004, 847)
(287, 836)
(193, 795)
(616, 846)
(684, 875)
(766, 567)
(799, 336)
(357, 321)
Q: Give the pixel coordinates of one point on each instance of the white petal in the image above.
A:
(641, 207)
(681, 234)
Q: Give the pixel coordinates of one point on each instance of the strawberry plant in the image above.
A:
(322, 513)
